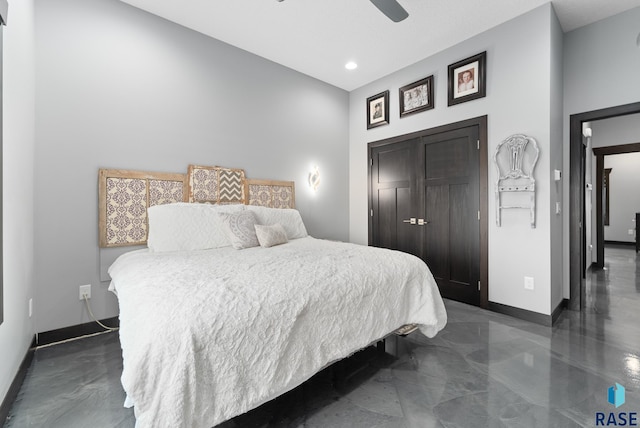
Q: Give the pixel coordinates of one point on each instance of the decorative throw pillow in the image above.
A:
(268, 236)
(240, 229)
(288, 218)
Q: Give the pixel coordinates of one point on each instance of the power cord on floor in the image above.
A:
(86, 301)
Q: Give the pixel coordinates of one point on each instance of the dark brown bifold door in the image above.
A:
(448, 179)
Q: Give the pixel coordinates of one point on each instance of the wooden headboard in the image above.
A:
(271, 193)
(216, 185)
(125, 195)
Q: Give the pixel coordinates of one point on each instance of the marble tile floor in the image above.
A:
(483, 370)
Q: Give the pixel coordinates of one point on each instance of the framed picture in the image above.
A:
(416, 97)
(467, 79)
(378, 110)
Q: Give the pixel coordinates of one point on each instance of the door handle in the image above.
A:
(418, 221)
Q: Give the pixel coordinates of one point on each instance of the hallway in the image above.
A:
(612, 299)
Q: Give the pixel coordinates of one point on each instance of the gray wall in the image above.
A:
(519, 86)
(119, 88)
(555, 145)
(624, 196)
(17, 330)
(598, 62)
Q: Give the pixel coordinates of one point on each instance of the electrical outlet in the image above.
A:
(528, 283)
(528, 359)
(630, 231)
(85, 291)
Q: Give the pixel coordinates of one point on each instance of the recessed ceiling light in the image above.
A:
(351, 65)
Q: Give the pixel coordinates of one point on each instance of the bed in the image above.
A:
(213, 324)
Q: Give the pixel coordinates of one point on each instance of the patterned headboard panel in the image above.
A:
(216, 185)
(124, 197)
(271, 193)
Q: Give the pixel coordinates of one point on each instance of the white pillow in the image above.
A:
(240, 229)
(288, 218)
(268, 236)
(186, 226)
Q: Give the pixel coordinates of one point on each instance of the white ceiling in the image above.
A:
(317, 37)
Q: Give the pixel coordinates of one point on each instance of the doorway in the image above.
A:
(577, 231)
(602, 195)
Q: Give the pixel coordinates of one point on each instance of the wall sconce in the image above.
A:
(314, 178)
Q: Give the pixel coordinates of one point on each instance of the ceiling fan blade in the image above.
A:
(392, 9)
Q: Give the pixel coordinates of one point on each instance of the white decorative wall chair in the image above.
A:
(515, 160)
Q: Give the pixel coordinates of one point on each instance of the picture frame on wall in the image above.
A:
(378, 110)
(467, 79)
(416, 97)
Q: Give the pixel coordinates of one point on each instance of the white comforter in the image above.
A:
(208, 335)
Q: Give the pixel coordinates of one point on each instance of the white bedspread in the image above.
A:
(208, 335)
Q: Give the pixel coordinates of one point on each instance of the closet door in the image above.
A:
(393, 197)
(448, 182)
